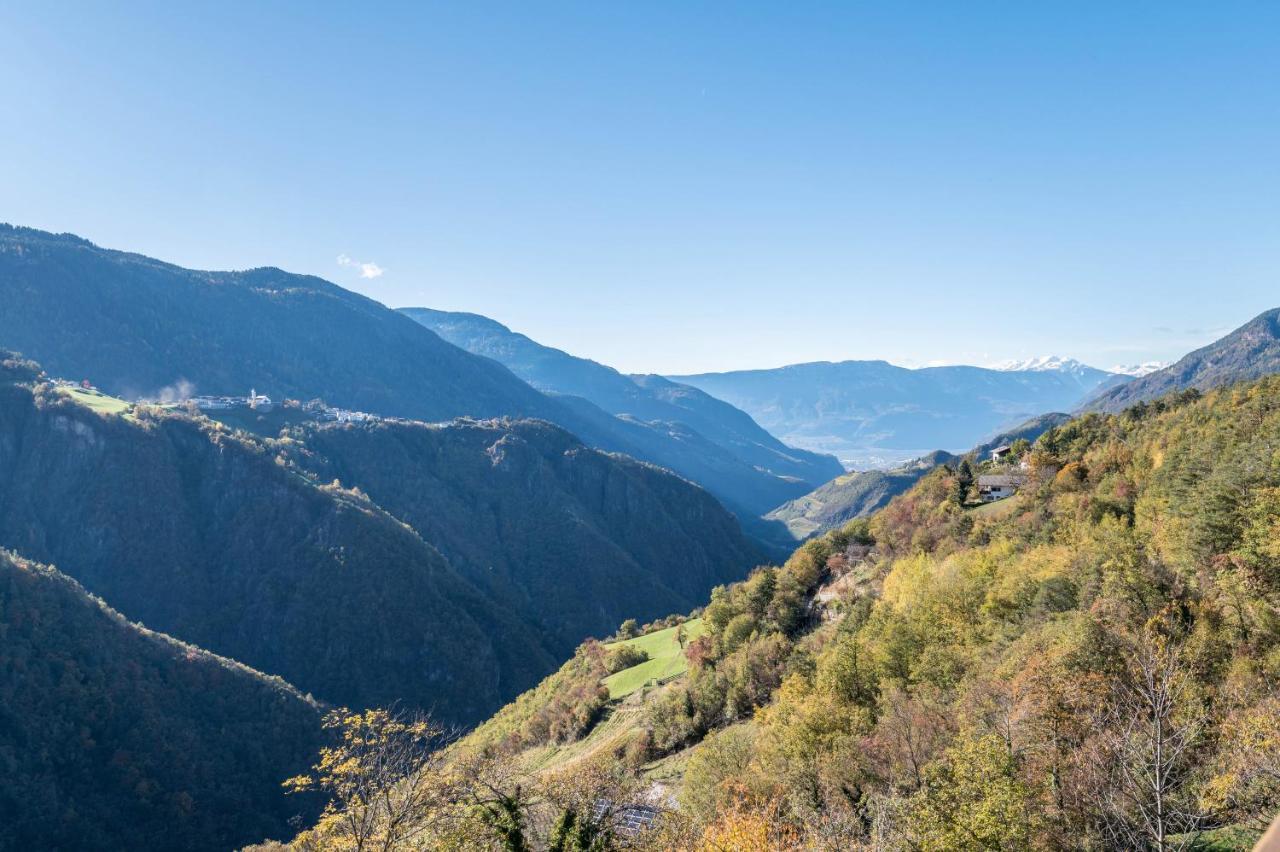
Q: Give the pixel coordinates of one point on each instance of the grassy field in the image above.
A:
(620, 723)
(1233, 838)
(666, 659)
(97, 400)
(998, 509)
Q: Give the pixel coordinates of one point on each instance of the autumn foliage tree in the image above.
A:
(383, 777)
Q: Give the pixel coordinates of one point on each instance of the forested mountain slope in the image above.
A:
(1093, 663)
(134, 325)
(271, 551)
(114, 737)
(1029, 430)
(205, 535)
(1250, 351)
(860, 493)
(870, 413)
(674, 425)
(572, 540)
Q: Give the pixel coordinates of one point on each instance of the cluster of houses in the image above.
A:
(346, 415)
(254, 400)
(997, 486)
(263, 403)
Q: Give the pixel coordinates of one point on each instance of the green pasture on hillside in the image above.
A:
(997, 508)
(97, 400)
(666, 659)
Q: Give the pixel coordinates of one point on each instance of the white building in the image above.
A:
(998, 486)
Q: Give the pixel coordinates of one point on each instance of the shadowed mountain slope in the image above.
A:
(135, 325)
(571, 539)
(138, 327)
(205, 535)
(235, 543)
(114, 737)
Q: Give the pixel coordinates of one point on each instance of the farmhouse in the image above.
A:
(1000, 452)
(997, 486)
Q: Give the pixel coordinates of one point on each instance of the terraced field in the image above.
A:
(666, 659)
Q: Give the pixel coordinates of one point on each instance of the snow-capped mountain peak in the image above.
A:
(1044, 363)
(1139, 370)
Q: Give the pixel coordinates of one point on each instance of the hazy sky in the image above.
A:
(678, 187)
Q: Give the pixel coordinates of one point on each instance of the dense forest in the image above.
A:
(1092, 663)
(557, 533)
(316, 555)
(114, 737)
(207, 535)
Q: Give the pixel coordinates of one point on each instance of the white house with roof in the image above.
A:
(997, 486)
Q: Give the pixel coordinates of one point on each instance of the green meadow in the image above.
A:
(666, 658)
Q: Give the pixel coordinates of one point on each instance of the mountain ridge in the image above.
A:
(873, 413)
(649, 400)
(1246, 353)
(134, 324)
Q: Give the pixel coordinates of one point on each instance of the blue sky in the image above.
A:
(679, 187)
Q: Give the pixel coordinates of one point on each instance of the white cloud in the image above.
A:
(367, 270)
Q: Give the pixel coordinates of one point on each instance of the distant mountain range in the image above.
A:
(732, 455)
(861, 493)
(1071, 365)
(1138, 370)
(1045, 363)
(873, 414)
(138, 327)
(1252, 350)
(1249, 352)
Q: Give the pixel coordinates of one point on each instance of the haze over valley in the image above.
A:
(639, 428)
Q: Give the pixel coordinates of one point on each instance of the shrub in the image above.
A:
(624, 657)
